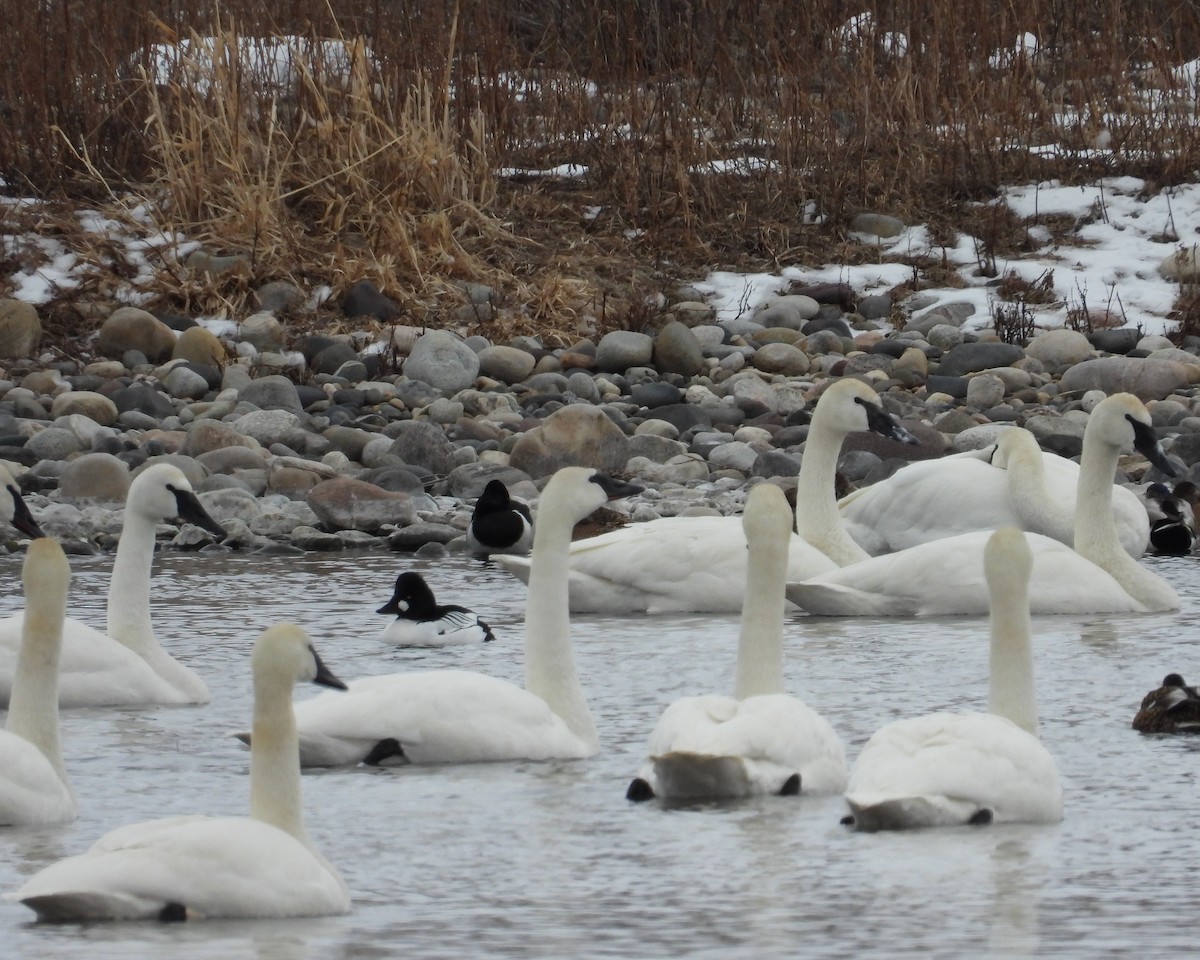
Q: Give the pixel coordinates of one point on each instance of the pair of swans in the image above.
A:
(423, 622)
(458, 716)
(760, 741)
(698, 564)
(192, 867)
(125, 665)
(947, 576)
(1012, 483)
(948, 769)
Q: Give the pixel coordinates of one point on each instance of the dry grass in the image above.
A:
(387, 169)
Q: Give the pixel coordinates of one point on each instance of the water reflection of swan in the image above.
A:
(1014, 930)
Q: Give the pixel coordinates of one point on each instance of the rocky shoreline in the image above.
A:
(343, 441)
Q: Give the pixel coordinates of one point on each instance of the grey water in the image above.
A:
(549, 859)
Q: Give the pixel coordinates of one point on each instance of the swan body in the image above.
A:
(1013, 484)
(124, 665)
(698, 564)
(499, 524)
(422, 622)
(760, 741)
(34, 788)
(946, 576)
(948, 769)
(455, 716)
(1174, 707)
(193, 867)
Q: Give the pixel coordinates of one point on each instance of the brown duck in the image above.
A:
(1172, 708)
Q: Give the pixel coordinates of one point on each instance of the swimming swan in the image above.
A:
(457, 716)
(422, 622)
(193, 867)
(698, 564)
(947, 576)
(760, 741)
(33, 779)
(1013, 483)
(126, 665)
(1172, 708)
(499, 524)
(946, 769)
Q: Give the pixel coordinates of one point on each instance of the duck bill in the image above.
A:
(390, 607)
(1145, 442)
(190, 509)
(883, 423)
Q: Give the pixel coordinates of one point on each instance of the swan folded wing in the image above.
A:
(955, 763)
(31, 791)
(440, 716)
(231, 867)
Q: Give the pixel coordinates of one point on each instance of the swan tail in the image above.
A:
(681, 775)
(519, 567)
(908, 813)
(81, 906)
(838, 600)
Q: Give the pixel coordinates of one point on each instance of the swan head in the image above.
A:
(767, 519)
(163, 492)
(1015, 443)
(577, 492)
(284, 651)
(45, 571)
(1122, 421)
(13, 507)
(411, 593)
(850, 406)
(1007, 562)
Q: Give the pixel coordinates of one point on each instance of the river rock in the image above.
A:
(676, 350)
(275, 392)
(182, 381)
(506, 364)
(573, 436)
(877, 225)
(1060, 348)
(442, 361)
(199, 346)
(20, 329)
(93, 405)
(53, 443)
(420, 443)
(985, 391)
(1182, 266)
(272, 426)
(622, 349)
(1146, 379)
(971, 357)
(95, 476)
(349, 504)
(131, 328)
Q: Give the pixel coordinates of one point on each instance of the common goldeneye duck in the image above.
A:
(422, 622)
(499, 524)
(1173, 708)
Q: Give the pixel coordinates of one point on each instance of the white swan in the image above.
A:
(193, 867)
(126, 665)
(945, 769)
(760, 741)
(1013, 483)
(946, 576)
(457, 716)
(33, 778)
(423, 622)
(698, 564)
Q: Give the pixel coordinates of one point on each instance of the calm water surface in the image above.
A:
(549, 860)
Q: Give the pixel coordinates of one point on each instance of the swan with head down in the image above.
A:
(951, 769)
(698, 564)
(1013, 483)
(759, 741)
(459, 716)
(126, 664)
(33, 778)
(946, 576)
(196, 867)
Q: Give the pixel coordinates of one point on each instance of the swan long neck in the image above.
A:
(33, 706)
(549, 661)
(275, 758)
(1011, 685)
(1096, 536)
(760, 643)
(1025, 475)
(129, 589)
(817, 517)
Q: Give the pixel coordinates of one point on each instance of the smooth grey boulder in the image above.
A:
(442, 361)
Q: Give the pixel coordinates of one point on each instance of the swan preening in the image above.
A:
(947, 576)
(1173, 707)
(458, 716)
(126, 664)
(947, 769)
(33, 778)
(193, 867)
(1013, 483)
(760, 741)
(698, 564)
(422, 622)
(499, 524)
